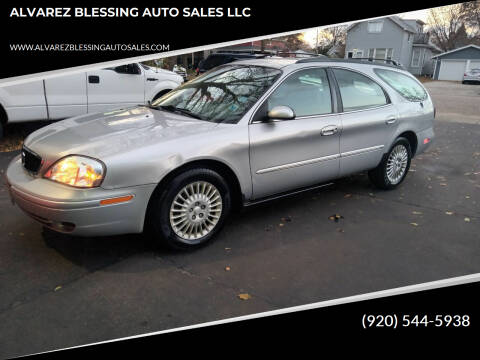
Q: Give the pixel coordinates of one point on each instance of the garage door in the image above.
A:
(452, 70)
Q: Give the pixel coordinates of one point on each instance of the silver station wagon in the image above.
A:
(239, 134)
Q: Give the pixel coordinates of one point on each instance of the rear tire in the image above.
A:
(188, 212)
(394, 166)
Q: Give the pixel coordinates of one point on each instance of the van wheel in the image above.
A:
(191, 210)
(160, 94)
(394, 166)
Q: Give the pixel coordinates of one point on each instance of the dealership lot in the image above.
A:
(58, 291)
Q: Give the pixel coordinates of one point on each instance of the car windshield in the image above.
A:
(222, 95)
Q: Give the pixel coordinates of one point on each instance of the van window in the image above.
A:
(358, 91)
(408, 87)
(307, 92)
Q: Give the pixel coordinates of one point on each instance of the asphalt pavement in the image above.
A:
(58, 291)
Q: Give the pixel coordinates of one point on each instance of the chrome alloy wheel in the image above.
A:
(397, 164)
(195, 210)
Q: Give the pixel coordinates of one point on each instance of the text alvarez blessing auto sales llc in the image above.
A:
(99, 12)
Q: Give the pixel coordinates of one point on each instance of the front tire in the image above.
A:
(190, 210)
(394, 166)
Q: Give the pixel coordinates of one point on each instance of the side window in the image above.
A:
(358, 91)
(408, 87)
(307, 92)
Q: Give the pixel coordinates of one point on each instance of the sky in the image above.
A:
(310, 35)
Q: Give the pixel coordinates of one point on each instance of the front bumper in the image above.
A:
(77, 211)
(471, 78)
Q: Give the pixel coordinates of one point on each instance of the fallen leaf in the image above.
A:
(347, 195)
(443, 184)
(414, 224)
(467, 219)
(467, 197)
(244, 296)
(281, 224)
(227, 268)
(286, 219)
(417, 213)
(335, 217)
(58, 288)
(449, 212)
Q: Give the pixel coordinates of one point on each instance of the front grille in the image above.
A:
(30, 160)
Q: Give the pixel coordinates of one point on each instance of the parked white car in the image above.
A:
(91, 92)
(471, 76)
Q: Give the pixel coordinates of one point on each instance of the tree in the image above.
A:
(294, 42)
(455, 25)
(332, 39)
(471, 18)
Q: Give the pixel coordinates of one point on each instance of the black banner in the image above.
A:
(430, 318)
(32, 32)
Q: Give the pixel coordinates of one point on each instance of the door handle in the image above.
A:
(390, 120)
(93, 79)
(329, 130)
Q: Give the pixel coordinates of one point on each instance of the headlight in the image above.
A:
(78, 171)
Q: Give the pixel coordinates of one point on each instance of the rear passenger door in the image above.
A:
(369, 120)
(290, 154)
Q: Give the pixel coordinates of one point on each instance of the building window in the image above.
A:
(358, 54)
(416, 57)
(389, 54)
(380, 53)
(375, 26)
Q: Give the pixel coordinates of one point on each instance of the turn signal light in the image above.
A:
(116, 200)
(426, 141)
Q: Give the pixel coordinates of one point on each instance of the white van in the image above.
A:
(94, 91)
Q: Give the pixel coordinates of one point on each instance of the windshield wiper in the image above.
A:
(179, 110)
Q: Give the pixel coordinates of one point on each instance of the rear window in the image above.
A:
(408, 87)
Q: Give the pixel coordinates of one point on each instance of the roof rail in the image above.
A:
(381, 62)
(280, 53)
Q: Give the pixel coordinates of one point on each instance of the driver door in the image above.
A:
(304, 151)
(113, 88)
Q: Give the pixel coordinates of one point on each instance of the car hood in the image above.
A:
(103, 134)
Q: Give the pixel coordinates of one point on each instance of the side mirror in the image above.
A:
(281, 113)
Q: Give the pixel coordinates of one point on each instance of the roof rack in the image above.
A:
(280, 53)
(381, 62)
